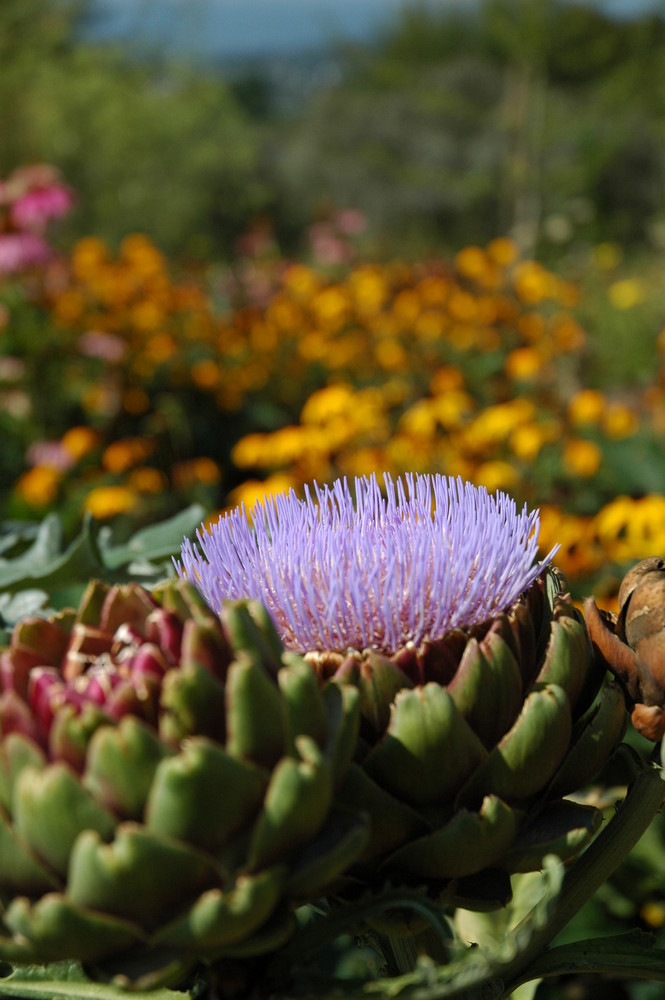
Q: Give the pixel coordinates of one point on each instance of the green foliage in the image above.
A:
(458, 125)
(156, 148)
(41, 570)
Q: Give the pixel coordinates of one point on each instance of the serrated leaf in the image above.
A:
(67, 981)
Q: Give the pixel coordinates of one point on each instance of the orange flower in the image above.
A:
(108, 501)
(196, 470)
(121, 455)
(523, 364)
(39, 485)
(78, 441)
(582, 458)
(586, 407)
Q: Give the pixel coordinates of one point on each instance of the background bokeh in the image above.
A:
(436, 247)
(435, 244)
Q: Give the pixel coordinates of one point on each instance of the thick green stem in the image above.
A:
(643, 801)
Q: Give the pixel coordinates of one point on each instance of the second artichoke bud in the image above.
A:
(168, 782)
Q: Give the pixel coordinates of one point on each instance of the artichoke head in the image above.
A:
(168, 782)
(470, 745)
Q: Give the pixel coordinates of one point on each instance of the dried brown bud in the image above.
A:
(632, 644)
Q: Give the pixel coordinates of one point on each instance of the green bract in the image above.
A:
(167, 782)
(469, 746)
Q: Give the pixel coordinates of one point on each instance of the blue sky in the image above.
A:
(254, 27)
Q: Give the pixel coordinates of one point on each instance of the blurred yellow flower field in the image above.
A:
(197, 388)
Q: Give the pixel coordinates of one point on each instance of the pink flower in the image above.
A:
(19, 251)
(350, 222)
(51, 453)
(33, 209)
(97, 344)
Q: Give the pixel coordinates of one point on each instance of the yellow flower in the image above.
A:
(580, 552)
(406, 307)
(121, 455)
(627, 293)
(534, 284)
(446, 378)
(369, 290)
(107, 501)
(255, 491)
(328, 402)
(653, 913)
(581, 458)
(526, 441)
(523, 364)
(531, 326)
(249, 450)
(471, 262)
(419, 419)
(434, 290)
(502, 251)
(361, 461)
(300, 281)
(160, 347)
(284, 314)
(39, 485)
(620, 421)
(462, 306)
(632, 529)
(586, 407)
(89, 254)
(78, 441)
(69, 306)
(196, 470)
(495, 423)
(495, 475)
(205, 374)
(147, 480)
(331, 307)
(313, 346)
(142, 254)
(390, 355)
(451, 408)
(147, 315)
(430, 325)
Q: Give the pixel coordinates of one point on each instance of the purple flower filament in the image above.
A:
(432, 554)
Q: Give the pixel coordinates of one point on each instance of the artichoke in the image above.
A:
(168, 783)
(480, 694)
(632, 643)
(469, 746)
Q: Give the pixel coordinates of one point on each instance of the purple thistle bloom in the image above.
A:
(428, 557)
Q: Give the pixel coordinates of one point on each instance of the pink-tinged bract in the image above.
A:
(428, 555)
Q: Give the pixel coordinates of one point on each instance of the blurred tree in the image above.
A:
(463, 123)
(148, 145)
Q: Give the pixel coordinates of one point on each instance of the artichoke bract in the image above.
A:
(168, 782)
(470, 745)
(480, 696)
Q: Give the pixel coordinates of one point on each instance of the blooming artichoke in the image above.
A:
(479, 692)
(167, 782)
